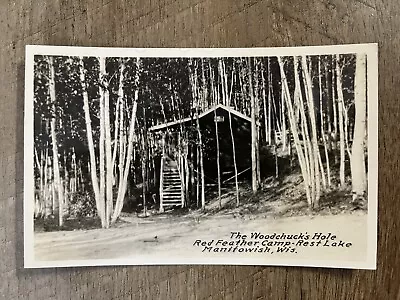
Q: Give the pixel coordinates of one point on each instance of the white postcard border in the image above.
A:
(372, 76)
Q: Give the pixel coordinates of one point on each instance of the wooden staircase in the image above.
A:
(171, 192)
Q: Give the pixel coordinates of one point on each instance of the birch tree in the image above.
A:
(358, 173)
(294, 129)
(221, 71)
(323, 133)
(341, 121)
(93, 168)
(124, 181)
(316, 155)
(108, 150)
(233, 139)
(56, 166)
(254, 131)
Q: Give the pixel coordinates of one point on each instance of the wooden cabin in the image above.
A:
(219, 130)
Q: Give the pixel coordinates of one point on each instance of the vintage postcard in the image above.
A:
(258, 156)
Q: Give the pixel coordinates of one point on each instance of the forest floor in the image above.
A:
(278, 207)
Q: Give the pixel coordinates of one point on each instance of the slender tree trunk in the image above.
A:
(308, 154)
(329, 97)
(115, 141)
(222, 83)
(234, 160)
(47, 175)
(323, 133)
(218, 162)
(93, 169)
(341, 125)
(204, 82)
(306, 143)
(233, 140)
(224, 87)
(203, 197)
(321, 103)
(101, 145)
(334, 139)
(254, 133)
(283, 121)
(66, 185)
(56, 166)
(322, 120)
(181, 165)
(225, 77)
(53, 192)
(264, 94)
(122, 146)
(310, 144)
(203, 185)
(109, 171)
(124, 181)
(200, 146)
(75, 169)
(358, 173)
(270, 96)
(118, 118)
(144, 173)
(40, 199)
(191, 170)
(195, 103)
(316, 154)
(257, 118)
(293, 126)
(187, 172)
(198, 176)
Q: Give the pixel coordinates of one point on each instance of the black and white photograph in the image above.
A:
(257, 156)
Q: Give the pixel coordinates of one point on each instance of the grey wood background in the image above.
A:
(196, 23)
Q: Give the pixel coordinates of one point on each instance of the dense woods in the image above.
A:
(111, 132)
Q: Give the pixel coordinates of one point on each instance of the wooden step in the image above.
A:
(171, 173)
(172, 177)
(171, 182)
(173, 202)
(175, 190)
(172, 188)
(177, 201)
(172, 194)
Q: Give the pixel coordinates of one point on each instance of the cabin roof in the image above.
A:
(203, 114)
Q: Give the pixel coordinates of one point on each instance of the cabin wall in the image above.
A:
(242, 137)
